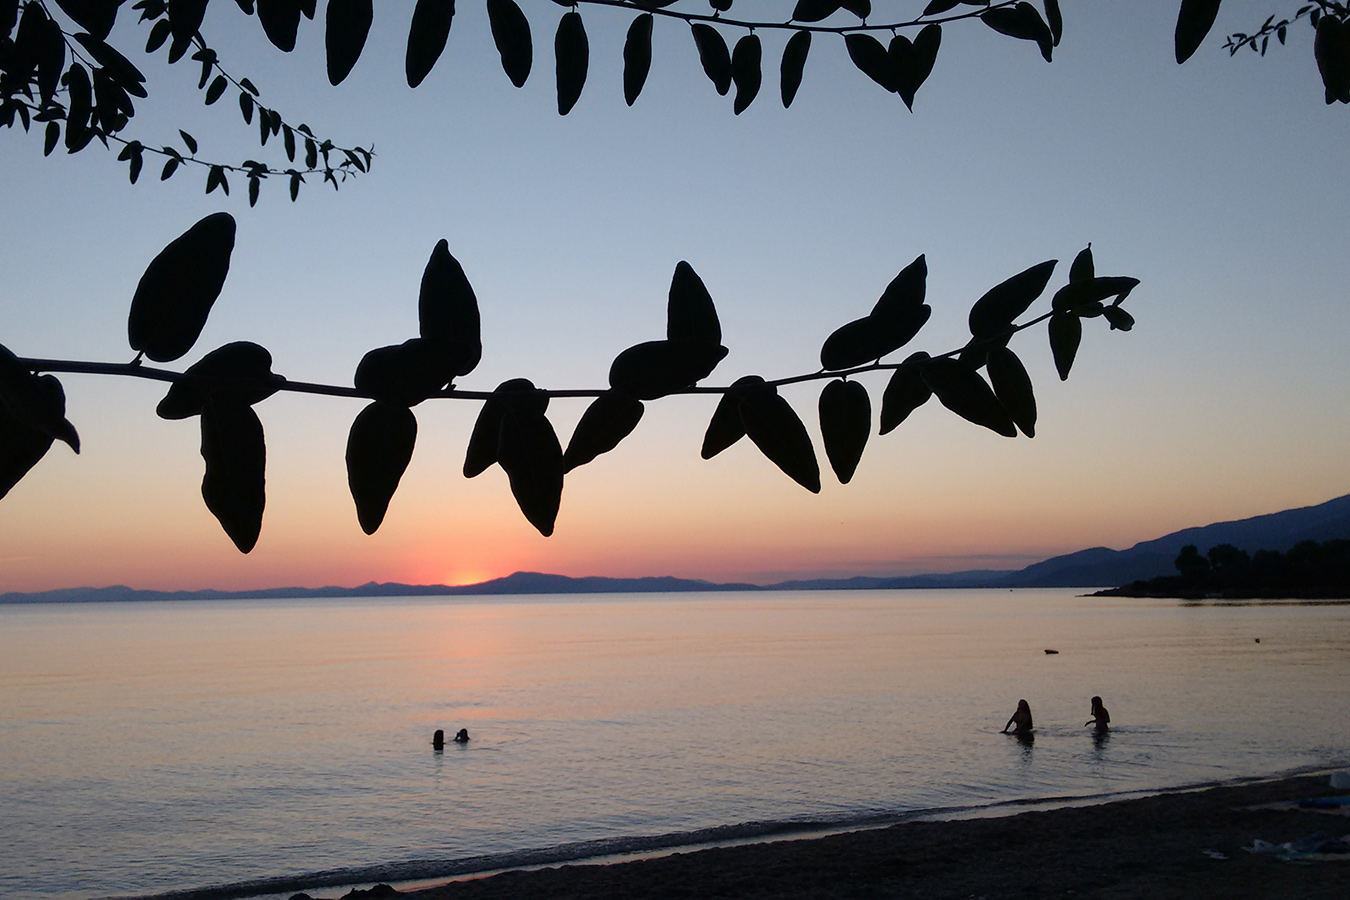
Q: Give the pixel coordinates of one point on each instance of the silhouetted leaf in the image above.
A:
(637, 57)
(610, 418)
(529, 452)
(860, 8)
(745, 71)
(217, 89)
(794, 61)
(961, 389)
(911, 64)
(97, 16)
(511, 33)
(1193, 23)
(851, 344)
(1004, 302)
(346, 27)
(726, 427)
(36, 401)
(938, 7)
(1066, 331)
(657, 368)
(1331, 48)
(690, 314)
(1082, 268)
(9, 16)
(713, 54)
(1120, 320)
(79, 106)
(408, 373)
(1021, 21)
(426, 37)
(1012, 386)
(869, 55)
(868, 339)
(215, 178)
(447, 309)
(234, 486)
(179, 286)
(239, 372)
(516, 392)
(573, 54)
(780, 435)
(21, 448)
(905, 392)
(1078, 294)
(1055, 19)
(280, 20)
(51, 52)
(815, 10)
(379, 448)
(905, 293)
(845, 421)
(21, 58)
(117, 65)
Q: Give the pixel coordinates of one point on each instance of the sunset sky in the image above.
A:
(1219, 184)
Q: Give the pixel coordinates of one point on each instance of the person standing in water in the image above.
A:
(1101, 719)
(1021, 719)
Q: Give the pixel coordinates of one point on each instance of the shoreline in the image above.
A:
(935, 852)
(1154, 845)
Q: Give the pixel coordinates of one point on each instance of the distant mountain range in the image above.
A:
(1094, 568)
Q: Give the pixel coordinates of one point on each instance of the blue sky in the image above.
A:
(1216, 183)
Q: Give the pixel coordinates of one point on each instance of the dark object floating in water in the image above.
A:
(462, 737)
(1258, 640)
(438, 739)
(1049, 652)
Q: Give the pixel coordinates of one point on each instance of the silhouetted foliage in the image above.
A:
(181, 284)
(1308, 570)
(1190, 563)
(58, 69)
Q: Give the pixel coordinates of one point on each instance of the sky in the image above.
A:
(1219, 184)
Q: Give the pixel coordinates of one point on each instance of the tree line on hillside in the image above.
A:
(1306, 570)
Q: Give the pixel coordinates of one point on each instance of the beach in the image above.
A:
(1183, 844)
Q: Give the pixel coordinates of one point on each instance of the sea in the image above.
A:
(219, 749)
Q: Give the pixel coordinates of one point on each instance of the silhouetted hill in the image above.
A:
(515, 583)
(1102, 567)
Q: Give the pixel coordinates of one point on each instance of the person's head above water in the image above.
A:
(462, 737)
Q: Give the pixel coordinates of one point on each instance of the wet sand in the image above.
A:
(1146, 847)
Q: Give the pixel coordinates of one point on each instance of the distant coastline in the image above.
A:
(1098, 567)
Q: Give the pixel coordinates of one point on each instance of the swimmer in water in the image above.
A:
(1021, 719)
(1101, 719)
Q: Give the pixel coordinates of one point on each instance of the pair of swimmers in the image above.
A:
(1020, 723)
(438, 739)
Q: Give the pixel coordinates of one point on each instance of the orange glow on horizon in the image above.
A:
(468, 576)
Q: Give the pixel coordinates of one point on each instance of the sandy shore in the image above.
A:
(1175, 845)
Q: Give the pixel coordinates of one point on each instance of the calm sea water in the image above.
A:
(156, 747)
